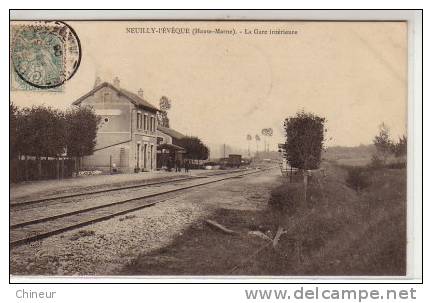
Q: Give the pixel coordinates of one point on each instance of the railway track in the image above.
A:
(50, 222)
(114, 189)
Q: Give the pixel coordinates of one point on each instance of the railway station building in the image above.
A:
(127, 136)
(168, 148)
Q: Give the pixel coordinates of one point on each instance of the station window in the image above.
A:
(138, 121)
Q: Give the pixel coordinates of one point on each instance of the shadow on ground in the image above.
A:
(204, 250)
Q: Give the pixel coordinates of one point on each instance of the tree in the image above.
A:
(14, 140)
(304, 140)
(164, 106)
(13, 128)
(43, 130)
(195, 148)
(81, 129)
(383, 144)
(267, 132)
(400, 148)
(40, 133)
(382, 141)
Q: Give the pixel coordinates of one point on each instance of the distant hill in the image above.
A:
(357, 155)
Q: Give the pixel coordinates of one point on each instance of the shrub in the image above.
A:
(357, 178)
(285, 199)
(376, 162)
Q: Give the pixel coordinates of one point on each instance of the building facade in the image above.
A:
(127, 136)
(169, 151)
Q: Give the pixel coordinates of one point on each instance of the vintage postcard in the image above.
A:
(208, 148)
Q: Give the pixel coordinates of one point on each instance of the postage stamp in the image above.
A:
(44, 55)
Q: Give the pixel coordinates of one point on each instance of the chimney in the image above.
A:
(97, 81)
(116, 82)
(141, 93)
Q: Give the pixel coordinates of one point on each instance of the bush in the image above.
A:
(376, 162)
(357, 178)
(285, 199)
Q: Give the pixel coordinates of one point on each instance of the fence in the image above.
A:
(27, 170)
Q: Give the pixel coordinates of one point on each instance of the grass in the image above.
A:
(342, 232)
(353, 162)
(358, 178)
(338, 231)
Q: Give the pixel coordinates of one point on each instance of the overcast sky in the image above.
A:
(224, 87)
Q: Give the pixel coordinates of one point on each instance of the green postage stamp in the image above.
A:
(44, 55)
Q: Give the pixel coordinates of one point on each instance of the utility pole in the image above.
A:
(248, 138)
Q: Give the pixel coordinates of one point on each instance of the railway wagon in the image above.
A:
(234, 160)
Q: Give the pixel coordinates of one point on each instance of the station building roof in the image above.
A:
(171, 132)
(132, 97)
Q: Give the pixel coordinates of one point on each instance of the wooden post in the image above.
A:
(110, 164)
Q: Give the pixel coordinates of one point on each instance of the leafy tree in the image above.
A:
(40, 133)
(267, 132)
(81, 129)
(382, 141)
(195, 148)
(42, 130)
(13, 128)
(304, 140)
(400, 148)
(164, 106)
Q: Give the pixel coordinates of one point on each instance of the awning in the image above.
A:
(171, 147)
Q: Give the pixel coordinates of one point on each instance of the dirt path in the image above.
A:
(168, 238)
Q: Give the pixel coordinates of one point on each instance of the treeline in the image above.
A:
(43, 133)
(353, 152)
(386, 147)
(195, 148)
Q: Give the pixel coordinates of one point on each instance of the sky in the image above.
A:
(223, 87)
